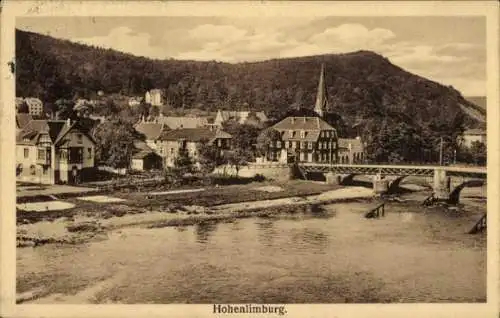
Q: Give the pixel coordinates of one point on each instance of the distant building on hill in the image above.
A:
(154, 97)
(35, 105)
(474, 135)
(351, 151)
(189, 139)
(54, 151)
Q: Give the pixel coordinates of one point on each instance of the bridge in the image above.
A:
(344, 173)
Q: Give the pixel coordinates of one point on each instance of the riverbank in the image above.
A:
(79, 228)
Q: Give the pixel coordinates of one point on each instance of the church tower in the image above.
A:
(321, 99)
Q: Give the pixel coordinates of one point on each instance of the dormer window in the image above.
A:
(79, 138)
(302, 134)
(290, 133)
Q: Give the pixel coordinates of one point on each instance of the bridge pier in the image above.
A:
(380, 185)
(441, 185)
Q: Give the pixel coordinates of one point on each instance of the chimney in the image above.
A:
(305, 119)
(68, 122)
(293, 120)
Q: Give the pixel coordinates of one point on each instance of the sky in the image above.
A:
(449, 50)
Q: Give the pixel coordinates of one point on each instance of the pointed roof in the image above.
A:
(321, 96)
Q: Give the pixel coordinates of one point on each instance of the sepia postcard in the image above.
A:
(249, 159)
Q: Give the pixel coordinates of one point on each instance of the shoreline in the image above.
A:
(85, 229)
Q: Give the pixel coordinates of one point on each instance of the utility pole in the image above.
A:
(441, 152)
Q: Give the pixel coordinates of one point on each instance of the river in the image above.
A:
(410, 255)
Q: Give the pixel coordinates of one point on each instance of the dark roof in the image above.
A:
(195, 134)
(183, 122)
(303, 123)
(143, 154)
(151, 130)
(22, 119)
(56, 129)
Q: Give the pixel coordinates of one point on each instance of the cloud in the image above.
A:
(457, 63)
(126, 40)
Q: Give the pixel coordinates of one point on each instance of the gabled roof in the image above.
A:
(195, 134)
(22, 119)
(56, 129)
(142, 150)
(303, 123)
(183, 122)
(150, 130)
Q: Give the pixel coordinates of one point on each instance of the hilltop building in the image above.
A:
(54, 151)
(154, 97)
(34, 105)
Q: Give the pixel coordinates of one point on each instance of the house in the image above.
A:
(304, 139)
(241, 117)
(151, 132)
(350, 151)
(189, 139)
(135, 101)
(145, 158)
(54, 151)
(154, 97)
(472, 135)
(35, 106)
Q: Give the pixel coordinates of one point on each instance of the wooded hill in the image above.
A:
(364, 89)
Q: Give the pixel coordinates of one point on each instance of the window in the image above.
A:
(79, 138)
(45, 170)
(33, 170)
(291, 133)
(26, 152)
(89, 153)
(171, 151)
(310, 145)
(278, 144)
(319, 145)
(289, 144)
(302, 134)
(219, 142)
(294, 144)
(41, 154)
(303, 144)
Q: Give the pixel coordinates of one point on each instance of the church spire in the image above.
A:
(321, 101)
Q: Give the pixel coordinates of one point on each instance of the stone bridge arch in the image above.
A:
(454, 197)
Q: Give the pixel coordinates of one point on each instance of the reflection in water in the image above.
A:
(345, 258)
(204, 231)
(266, 232)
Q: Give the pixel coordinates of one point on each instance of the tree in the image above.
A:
(64, 109)
(267, 137)
(239, 157)
(478, 150)
(209, 157)
(115, 142)
(23, 108)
